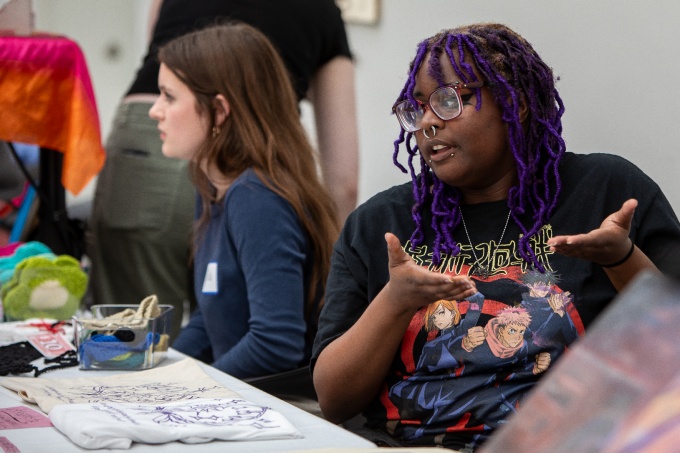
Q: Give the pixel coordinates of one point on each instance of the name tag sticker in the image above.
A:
(210, 280)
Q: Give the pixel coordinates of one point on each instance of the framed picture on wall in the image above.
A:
(365, 12)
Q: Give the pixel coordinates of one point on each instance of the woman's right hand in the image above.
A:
(412, 286)
(351, 370)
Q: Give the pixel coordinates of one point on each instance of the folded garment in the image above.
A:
(181, 381)
(110, 425)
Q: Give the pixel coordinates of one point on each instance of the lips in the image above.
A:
(440, 152)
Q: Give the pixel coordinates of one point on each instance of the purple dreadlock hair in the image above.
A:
(513, 71)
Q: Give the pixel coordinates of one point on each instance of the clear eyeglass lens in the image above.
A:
(445, 103)
(409, 116)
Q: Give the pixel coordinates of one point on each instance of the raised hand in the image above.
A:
(412, 286)
(605, 245)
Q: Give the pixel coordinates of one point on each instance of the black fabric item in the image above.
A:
(292, 383)
(16, 358)
(11, 178)
(62, 235)
(307, 33)
(66, 360)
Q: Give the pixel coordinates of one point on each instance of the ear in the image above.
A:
(523, 109)
(221, 109)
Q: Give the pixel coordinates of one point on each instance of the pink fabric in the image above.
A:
(47, 100)
(9, 249)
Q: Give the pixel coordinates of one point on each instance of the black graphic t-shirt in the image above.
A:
(464, 366)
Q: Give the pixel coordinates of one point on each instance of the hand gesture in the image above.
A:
(605, 245)
(558, 301)
(412, 286)
(542, 362)
(475, 337)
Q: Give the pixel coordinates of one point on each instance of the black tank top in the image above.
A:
(307, 33)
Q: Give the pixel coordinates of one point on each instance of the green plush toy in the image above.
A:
(44, 288)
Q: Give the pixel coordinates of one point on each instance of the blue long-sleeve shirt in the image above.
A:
(252, 267)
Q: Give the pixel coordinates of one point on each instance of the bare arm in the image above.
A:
(333, 99)
(153, 18)
(350, 371)
(608, 244)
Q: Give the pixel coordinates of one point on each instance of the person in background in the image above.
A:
(495, 203)
(265, 223)
(139, 230)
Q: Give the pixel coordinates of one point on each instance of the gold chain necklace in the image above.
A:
(478, 268)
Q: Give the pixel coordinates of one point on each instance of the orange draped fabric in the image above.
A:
(46, 99)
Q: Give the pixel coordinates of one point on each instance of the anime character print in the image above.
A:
(462, 358)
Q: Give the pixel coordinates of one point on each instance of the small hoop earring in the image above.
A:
(215, 131)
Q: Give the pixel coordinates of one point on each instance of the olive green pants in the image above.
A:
(139, 230)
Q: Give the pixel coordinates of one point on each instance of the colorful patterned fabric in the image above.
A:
(47, 99)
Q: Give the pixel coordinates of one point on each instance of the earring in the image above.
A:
(215, 131)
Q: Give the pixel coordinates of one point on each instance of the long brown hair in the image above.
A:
(263, 130)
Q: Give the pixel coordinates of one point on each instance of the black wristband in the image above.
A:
(622, 260)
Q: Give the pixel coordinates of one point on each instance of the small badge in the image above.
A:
(210, 280)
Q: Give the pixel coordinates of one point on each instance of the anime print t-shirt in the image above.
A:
(464, 366)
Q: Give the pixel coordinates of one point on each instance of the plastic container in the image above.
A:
(108, 341)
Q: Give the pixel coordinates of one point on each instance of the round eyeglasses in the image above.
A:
(445, 102)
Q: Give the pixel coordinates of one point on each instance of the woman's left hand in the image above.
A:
(605, 245)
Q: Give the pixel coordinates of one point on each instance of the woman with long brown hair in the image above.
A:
(265, 223)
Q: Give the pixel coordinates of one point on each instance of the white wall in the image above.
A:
(111, 34)
(618, 61)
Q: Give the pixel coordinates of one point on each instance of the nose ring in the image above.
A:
(434, 132)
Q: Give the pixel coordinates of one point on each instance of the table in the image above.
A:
(318, 433)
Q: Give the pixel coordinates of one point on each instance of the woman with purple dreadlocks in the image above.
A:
(499, 216)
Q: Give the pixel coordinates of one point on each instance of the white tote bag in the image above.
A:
(184, 380)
